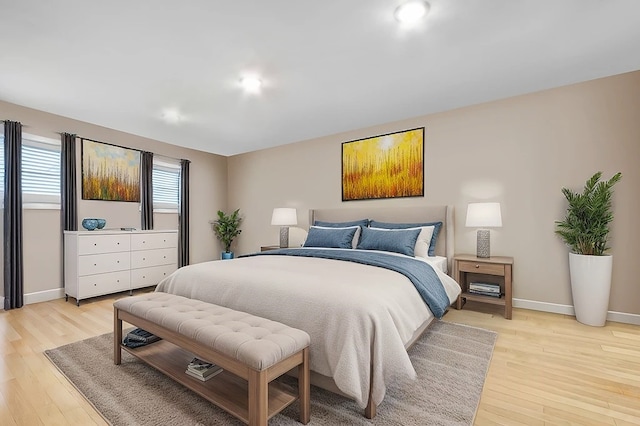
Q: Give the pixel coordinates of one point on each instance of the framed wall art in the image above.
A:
(385, 166)
(110, 172)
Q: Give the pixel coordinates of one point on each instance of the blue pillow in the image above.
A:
(330, 238)
(434, 237)
(398, 241)
(361, 222)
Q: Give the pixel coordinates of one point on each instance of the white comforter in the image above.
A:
(349, 310)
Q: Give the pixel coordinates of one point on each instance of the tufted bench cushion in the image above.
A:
(254, 341)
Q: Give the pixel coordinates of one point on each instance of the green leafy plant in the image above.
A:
(586, 226)
(227, 228)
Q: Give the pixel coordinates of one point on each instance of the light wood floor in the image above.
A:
(547, 369)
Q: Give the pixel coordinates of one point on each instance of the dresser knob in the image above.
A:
(477, 266)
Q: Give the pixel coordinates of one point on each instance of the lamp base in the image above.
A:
(284, 236)
(483, 244)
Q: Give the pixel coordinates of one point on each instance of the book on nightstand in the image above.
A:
(485, 289)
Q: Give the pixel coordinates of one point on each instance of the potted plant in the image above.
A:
(585, 230)
(227, 228)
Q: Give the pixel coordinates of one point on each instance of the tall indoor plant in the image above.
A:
(585, 229)
(227, 228)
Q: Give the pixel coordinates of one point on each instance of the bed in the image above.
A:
(361, 318)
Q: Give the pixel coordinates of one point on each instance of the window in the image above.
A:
(40, 171)
(166, 185)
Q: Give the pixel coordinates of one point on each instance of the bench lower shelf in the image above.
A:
(225, 390)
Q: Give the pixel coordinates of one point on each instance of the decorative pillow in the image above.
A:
(361, 222)
(422, 243)
(434, 237)
(401, 241)
(330, 238)
(356, 236)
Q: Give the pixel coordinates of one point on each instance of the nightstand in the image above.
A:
(494, 270)
(267, 248)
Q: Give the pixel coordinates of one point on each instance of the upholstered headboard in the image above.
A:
(413, 214)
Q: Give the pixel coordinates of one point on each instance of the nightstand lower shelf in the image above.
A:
(484, 299)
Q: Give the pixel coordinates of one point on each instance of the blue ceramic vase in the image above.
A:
(227, 255)
(101, 223)
(89, 224)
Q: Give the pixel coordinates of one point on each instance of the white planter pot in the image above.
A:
(590, 286)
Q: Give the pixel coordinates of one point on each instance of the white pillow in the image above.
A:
(421, 248)
(356, 236)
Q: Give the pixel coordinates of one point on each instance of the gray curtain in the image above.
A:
(146, 189)
(13, 267)
(183, 217)
(68, 185)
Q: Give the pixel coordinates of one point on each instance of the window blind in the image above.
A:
(166, 187)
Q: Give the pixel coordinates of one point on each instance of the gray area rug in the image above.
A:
(451, 361)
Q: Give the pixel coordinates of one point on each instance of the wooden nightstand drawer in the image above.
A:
(481, 268)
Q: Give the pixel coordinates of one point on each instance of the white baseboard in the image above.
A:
(623, 317)
(568, 310)
(544, 306)
(43, 296)
(40, 296)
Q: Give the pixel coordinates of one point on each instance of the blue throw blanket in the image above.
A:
(421, 274)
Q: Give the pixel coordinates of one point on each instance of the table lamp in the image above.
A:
(284, 217)
(483, 215)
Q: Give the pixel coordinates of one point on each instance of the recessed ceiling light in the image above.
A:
(251, 84)
(171, 115)
(411, 11)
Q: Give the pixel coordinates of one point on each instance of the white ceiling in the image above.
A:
(327, 66)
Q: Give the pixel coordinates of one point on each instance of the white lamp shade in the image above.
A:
(484, 215)
(284, 216)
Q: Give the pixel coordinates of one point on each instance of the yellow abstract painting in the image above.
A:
(110, 172)
(385, 166)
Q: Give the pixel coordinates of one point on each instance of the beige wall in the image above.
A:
(519, 151)
(41, 228)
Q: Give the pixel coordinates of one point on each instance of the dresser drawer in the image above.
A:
(146, 258)
(154, 241)
(146, 277)
(481, 268)
(96, 285)
(101, 263)
(95, 244)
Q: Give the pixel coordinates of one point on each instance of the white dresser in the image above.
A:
(103, 262)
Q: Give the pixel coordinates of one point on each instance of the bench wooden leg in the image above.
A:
(304, 388)
(258, 398)
(117, 337)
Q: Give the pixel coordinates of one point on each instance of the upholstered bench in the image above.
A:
(247, 347)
